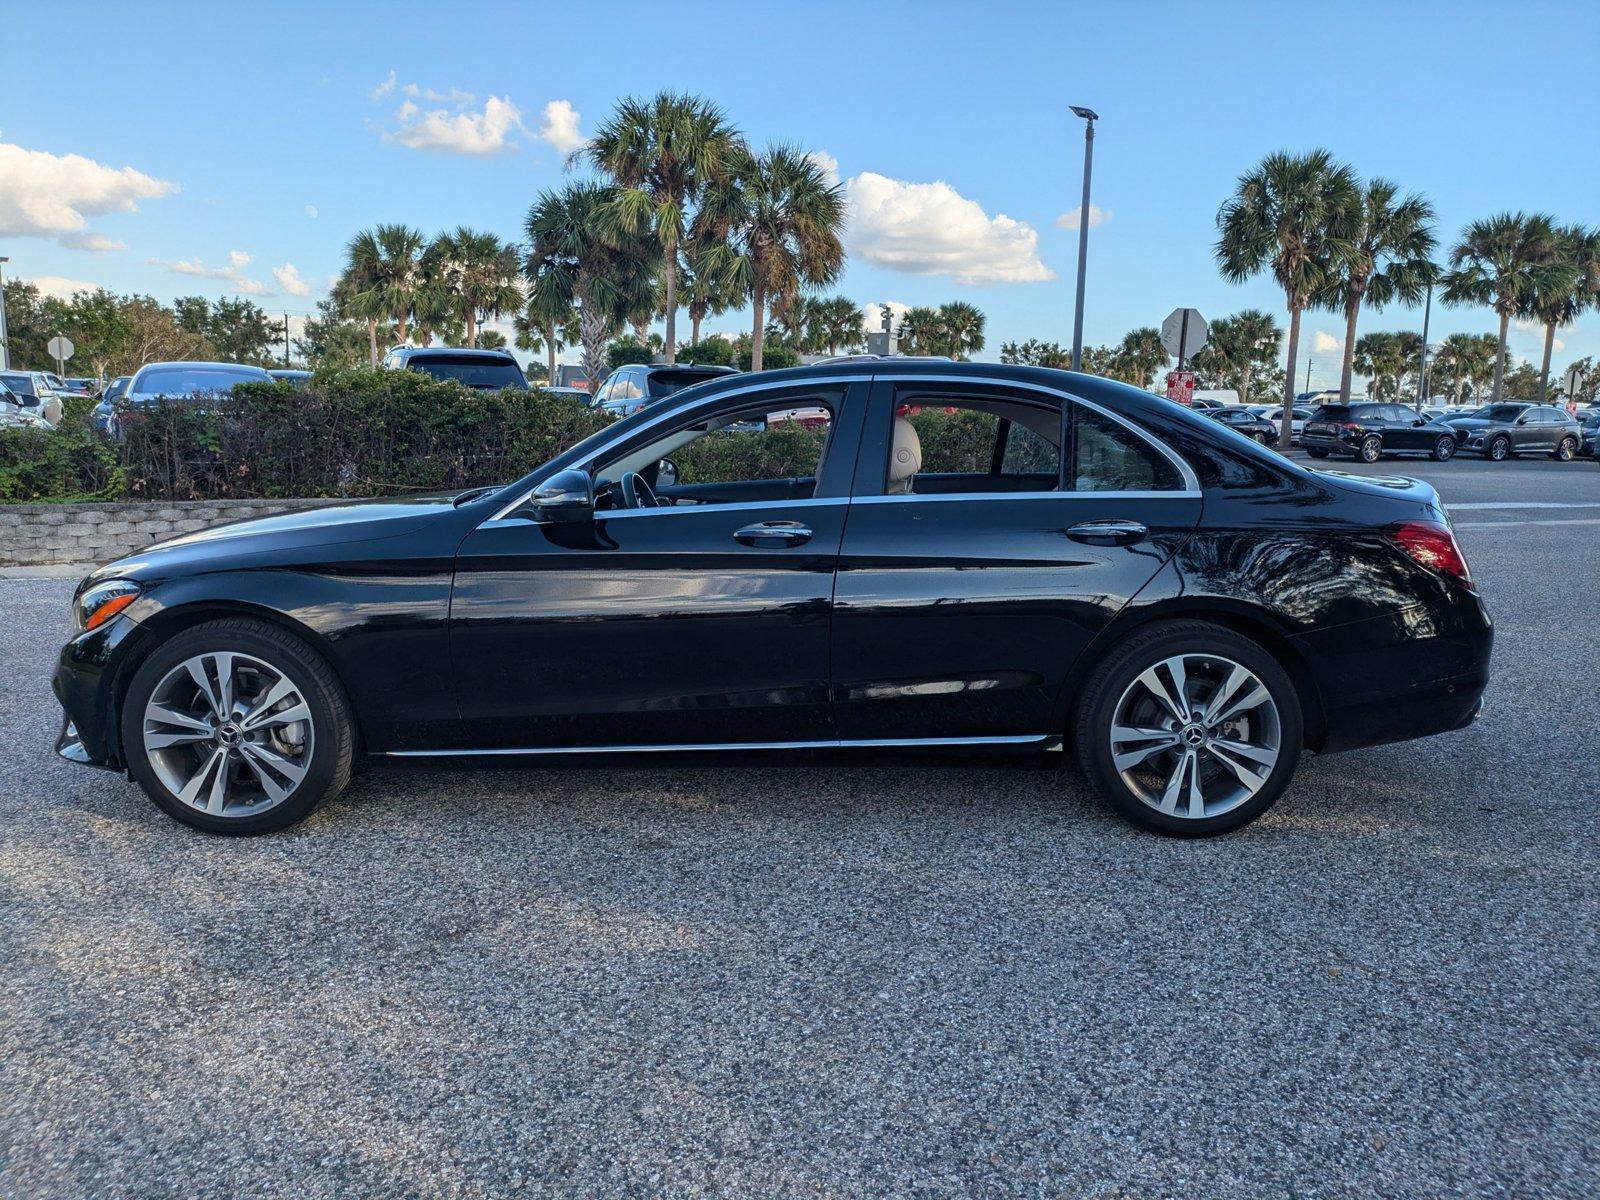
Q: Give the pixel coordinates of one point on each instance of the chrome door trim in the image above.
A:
(1027, 739)
(900, 497)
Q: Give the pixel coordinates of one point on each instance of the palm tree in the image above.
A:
(963, 328)
(1246, 340)
(1464, 360)
(478, 276)
(705, 292)
(1557, 298)
(1381, 358)
(661, 153)
(354, 295)
(1140, 356)
(1410, 344)
(921, 331)
(1504, 261)
(794, 323)
(572, 267)
(774, 227)
(386, 263)
(1385, 249)
(551, 331)
(1285, 217)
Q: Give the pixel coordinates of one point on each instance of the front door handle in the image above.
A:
(773, 535)
(1108, 533)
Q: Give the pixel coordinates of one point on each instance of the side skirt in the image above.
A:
(1046, 741)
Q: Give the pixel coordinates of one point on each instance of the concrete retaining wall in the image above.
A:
(41, 534)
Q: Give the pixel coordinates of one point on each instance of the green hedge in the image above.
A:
(73, 461)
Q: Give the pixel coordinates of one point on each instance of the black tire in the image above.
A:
(1371, 449)
(332, 752)
(1567, 450)
(1444, 449)
(1498, 449)
(1095, 712)
(1317, 453)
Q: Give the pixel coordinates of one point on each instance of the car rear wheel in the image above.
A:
(1567, 448)
(1189, 729)
(1371, 449)
(1499, 449)
(1443, 450)
(237, 726)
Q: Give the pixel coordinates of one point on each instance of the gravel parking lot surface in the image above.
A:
(832, 975)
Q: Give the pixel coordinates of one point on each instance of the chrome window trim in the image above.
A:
(676, 412)
(1025, 739)
(1074, 495)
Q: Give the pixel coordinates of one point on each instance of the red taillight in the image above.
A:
(1434, 546)
(1349, 427)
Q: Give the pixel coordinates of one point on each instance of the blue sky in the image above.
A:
(254, 131)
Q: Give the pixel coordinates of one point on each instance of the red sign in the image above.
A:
(1180, 387)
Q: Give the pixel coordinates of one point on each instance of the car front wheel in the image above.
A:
(237, 726)
(1499, 449)
(1371, 449)
(1567, 448)
(1189, 729)
(1443, 450)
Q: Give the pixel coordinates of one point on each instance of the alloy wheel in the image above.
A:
(1195, 736)
(228, 734)
(1499, 449)
(1444, 449)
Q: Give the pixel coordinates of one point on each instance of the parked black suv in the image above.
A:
(1589, 423)
(1502, 431)
(628, 389)
(1368, 431)
(483, 370)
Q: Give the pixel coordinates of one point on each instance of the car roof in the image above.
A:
(452, 351)
(191, 363)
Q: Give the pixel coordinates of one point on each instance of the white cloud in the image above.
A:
(311, 211)
(559, 127)
(463, 132)
(931, 229)
(384, 88)
(829, 165)
(1325, 343)
(1097, 216)
(453, 96)
(60, 287)
(95, 243)
(232, 274)
(51, 195)
(288, 277)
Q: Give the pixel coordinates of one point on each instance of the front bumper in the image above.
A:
(85, 684)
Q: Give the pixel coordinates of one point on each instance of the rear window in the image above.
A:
(189, 381)
(483, 373)
(665, 383)
(1332, 412)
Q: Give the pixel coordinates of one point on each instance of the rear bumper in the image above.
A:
(1407, 675)
(1332, 443)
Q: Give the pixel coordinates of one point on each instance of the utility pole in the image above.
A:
(1307, 388)
(5, 345)
(286, 341)
(1089, 118)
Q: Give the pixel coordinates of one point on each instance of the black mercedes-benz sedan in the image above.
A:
(949, 555)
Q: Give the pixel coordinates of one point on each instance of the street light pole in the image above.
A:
(1422, 369)
(5, 345)
(1089, 118)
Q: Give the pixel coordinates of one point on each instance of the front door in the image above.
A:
(699, 620)
(980, 560)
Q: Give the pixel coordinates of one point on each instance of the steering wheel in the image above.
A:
(637, 492)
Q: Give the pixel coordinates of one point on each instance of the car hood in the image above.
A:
(280, 539)
(1469, 422)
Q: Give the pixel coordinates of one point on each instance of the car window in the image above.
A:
(743, 444)
(1109, 457)
(980, 445)
(1500, 412)
(188, 381)
(667, 381)
(20, 384)
(485, 374)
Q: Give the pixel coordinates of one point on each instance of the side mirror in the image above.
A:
(666, 473)
(1522, 420)
(566, 496)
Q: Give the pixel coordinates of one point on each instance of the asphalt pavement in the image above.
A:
(830, 975)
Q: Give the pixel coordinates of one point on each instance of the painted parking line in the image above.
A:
(1479, 504)
(1524, 524)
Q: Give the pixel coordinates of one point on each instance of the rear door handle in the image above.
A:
(1108, 533)
(773, 535)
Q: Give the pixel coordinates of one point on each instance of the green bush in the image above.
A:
(784, 451)
(959, 441)
(708, 352)
(625, 352)
(774, 356)
(354, 432)
(73, 461)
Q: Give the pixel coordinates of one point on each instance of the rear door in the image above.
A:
(968, 587)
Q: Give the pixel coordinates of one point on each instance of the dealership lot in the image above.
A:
(834, 974)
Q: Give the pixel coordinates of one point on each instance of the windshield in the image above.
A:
(1499, 412)
(189, 381)
(486, 374)
(20, 384)
(665, 383)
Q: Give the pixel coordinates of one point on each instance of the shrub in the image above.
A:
(354, 432)
(70, 462)
(708, 352)
(782, 451)
(774, 356)
(624, 352)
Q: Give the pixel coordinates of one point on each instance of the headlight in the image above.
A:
(103, 601)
